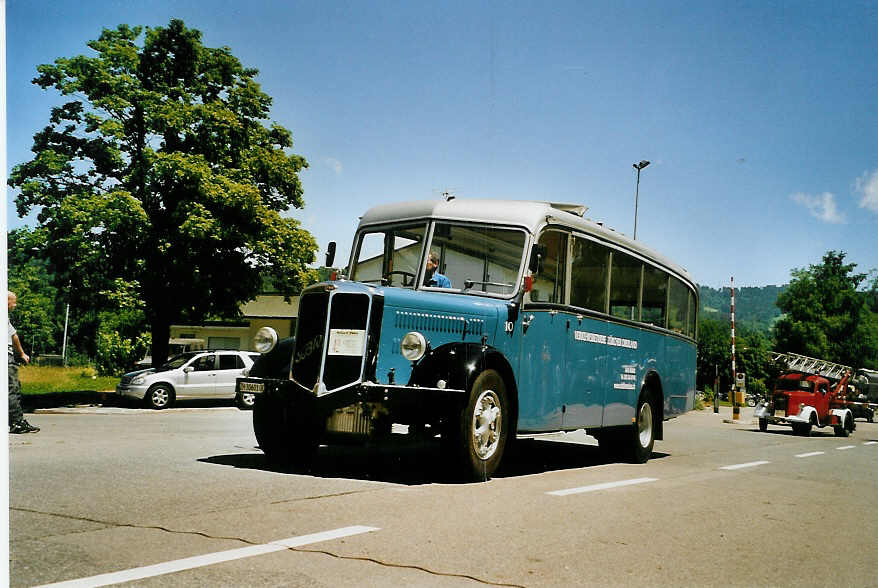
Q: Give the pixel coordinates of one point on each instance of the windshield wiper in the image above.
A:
(468, 284)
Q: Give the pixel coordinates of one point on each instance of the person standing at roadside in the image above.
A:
(17, 424)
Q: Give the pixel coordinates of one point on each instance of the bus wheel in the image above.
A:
(644, 430)
(287, 434)
(479, 436)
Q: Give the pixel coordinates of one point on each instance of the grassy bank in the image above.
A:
(37, 380)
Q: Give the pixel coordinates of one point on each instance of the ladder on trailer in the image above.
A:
(809, 365)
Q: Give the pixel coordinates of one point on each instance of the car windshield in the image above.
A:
(177, 361)
(793, 384)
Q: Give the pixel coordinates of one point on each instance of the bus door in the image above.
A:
(584, 394)
(542, 371)
(543, 362)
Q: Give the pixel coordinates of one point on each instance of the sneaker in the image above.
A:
(22, 426)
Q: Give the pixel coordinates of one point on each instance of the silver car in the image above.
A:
(195, 374)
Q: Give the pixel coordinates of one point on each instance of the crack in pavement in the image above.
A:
(406, 566)
(249, 542)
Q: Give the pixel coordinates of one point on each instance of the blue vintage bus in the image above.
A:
(479, 320)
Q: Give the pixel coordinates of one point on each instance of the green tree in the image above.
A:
(36, 318)
(160, 171)
(826, 316)
(714, 354)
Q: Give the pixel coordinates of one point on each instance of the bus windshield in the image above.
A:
(390, 256)
(462, 258)
(476, 259)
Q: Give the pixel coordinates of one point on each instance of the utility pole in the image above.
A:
(736, 410)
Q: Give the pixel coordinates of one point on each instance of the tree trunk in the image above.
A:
(161, 333)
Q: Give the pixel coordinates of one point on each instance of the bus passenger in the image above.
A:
(431, 276)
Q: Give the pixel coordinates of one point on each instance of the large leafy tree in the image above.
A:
(826, 315)
(160, 169)
(37, 317)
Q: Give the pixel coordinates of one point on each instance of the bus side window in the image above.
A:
(625, 286)
(588, 279)
(678, 311)
(549, 282)
(655, 296)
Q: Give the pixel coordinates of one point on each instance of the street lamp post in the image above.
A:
(638, 166)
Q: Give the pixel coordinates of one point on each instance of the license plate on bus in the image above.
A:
(251, 387)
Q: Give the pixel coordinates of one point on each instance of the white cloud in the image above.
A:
(867, 185)
(821, 206)
(334, 164)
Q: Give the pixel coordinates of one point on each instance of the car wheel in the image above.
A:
(844, 429)
(477, 436)
(159, 396)
(245, 401)
(805, 429)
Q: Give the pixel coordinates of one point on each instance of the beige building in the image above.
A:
(267, 310)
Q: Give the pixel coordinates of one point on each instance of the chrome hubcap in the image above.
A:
(644, 424)
(486, 424)
(160, 397)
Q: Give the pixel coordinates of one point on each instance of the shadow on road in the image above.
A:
(788, 431)
(32, 402)
(421, 462)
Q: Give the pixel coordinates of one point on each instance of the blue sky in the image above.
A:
(759, 118)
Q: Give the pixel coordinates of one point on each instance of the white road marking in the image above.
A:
(845, 447)
(209, 559)
(596, 487)
(744, 465)
(871, 443)
(812, 454)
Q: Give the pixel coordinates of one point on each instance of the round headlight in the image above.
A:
(413, 346)
(265, 340)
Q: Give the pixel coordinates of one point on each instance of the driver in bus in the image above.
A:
(433, 277)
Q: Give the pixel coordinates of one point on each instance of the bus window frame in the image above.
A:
(605, 314)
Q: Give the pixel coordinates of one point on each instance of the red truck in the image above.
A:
(810, 393)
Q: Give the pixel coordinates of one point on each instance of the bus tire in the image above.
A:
(477, 437)
(285, 435)
(643, 430)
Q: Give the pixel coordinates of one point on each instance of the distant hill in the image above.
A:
(754, 307)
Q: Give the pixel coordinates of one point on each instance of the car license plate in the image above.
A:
(252, 387)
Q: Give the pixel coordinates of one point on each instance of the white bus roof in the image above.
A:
(525, 213)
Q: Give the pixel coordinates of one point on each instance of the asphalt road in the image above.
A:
(183, 497)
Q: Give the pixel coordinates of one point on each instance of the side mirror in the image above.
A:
(188, 369)
(330, 254)
(537, 255)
